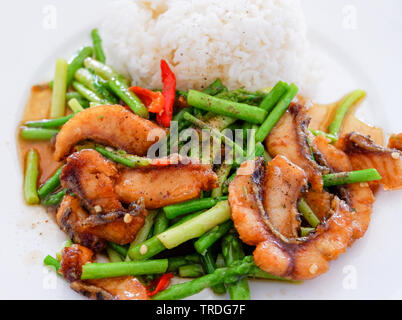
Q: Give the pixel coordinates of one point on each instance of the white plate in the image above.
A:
(366, 57)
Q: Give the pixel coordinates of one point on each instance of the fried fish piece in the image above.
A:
(111, 125)
(119, 288)
(358, 196)
(290, 138)
(365, 154)
(102, 186)
(278, 252)
(162, 186)
(117, 226)
(395, 141)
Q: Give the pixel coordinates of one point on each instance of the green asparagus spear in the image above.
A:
(340, 178)
(276, 113)
(123, 158)
(97, 44)
(210, 267)
(38, 133)
(196, 227)
(191, 271)
(76, 62)
(121, 250)
(54, 199)
(121, 90)
(58, 107)
(31, 177)
(126, 268)
(308, 214)
(215, 87)
(343, 109)
(48, 123)
(209, 238)
(114, 256)
(161, 223)
(232, 251)
(50, 185)
(221, 275)
(226, 108)
(273, 96)
(175, 210)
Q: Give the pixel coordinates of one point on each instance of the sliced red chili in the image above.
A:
(160, 284)
(153, 100)
(169, 92)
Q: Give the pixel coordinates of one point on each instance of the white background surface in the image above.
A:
(367, 57)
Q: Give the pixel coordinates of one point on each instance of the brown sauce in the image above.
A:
(38, 108)
(322, 115)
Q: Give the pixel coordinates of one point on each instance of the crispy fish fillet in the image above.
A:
(358, 195)
(283, 182)
(395, 141)
(120, 288)
(162, 186)
(364, 154)
(100, 185)
(290, 138)
(112, 125)
(295, 258)
(90, 230)
(92, 178)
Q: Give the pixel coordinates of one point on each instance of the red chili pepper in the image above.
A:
(154, 101)
(169, 92)
(160, 284)
(161, 162)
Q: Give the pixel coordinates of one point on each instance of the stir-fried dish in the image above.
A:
(221, 186)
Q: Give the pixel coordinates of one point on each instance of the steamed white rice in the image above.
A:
(247, 43)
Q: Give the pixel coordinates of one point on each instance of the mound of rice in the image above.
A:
(247, 43)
